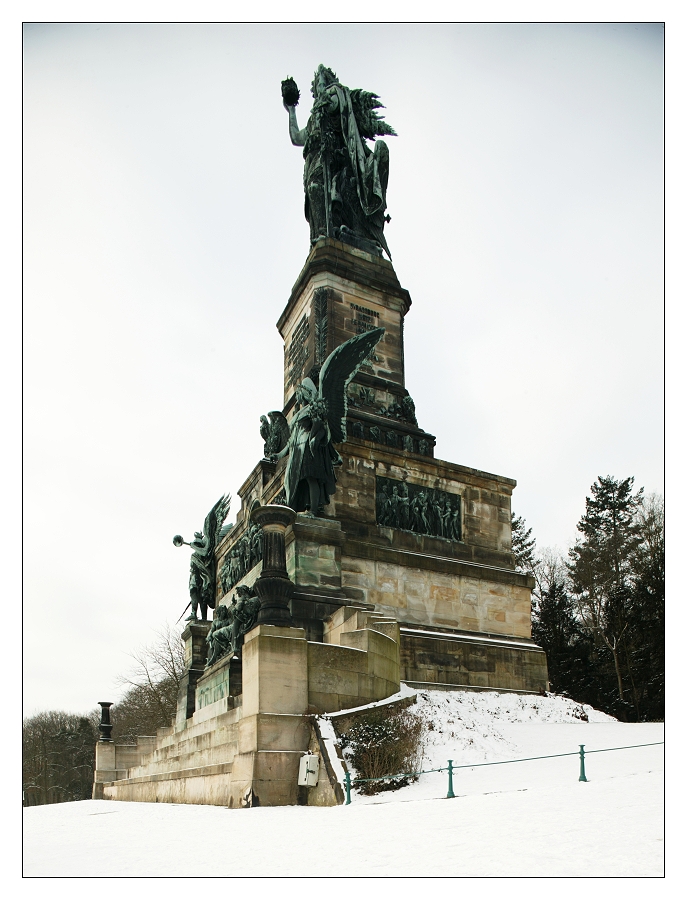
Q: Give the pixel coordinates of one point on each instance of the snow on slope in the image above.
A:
(523, 819)
(477, 727)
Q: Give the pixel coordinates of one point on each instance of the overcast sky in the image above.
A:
(164, 230)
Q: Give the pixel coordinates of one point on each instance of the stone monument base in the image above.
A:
(244, 750)
(408, 575)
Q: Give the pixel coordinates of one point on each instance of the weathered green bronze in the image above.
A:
(419, 509)
(231, 623)
(403, 411)
(450, 793)
(274, 587)
(345, 181)
(274, 433)
(289, 92)
(241, 558)
(583, 776)
(319, 423)
(245, 607)
(219, 636)
(203, 577)
(105, 726)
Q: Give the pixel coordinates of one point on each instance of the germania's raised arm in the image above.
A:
(297, 137)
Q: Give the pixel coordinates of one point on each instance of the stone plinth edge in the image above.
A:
(350, 264)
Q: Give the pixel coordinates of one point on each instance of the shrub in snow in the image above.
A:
(384, 744)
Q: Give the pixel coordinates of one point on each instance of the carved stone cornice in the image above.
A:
(343, 261)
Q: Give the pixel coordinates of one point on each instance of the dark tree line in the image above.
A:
(599, 613)
(58, 756)
(59, 747)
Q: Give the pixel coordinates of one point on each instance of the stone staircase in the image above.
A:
(241, 751)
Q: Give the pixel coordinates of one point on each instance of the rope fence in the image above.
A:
(451, 768)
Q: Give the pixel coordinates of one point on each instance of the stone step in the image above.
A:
(225, 749)
(178, 774)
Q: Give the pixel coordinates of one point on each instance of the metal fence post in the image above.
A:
(450, 780)
(347, 779)
(582, 777)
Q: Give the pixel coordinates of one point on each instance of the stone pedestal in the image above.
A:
(275, 671)
(273, 733)
(196, 654)
(105, 766)
(419, 540)
(409, 574)
(247, 753)
(274, 587)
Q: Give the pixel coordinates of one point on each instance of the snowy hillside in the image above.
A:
(475, 727)
(523, 819)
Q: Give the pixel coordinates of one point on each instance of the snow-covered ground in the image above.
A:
(526, 819)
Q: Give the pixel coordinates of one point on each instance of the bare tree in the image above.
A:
(549, 568)
(151, 700)
(651, 523)
(59, 747)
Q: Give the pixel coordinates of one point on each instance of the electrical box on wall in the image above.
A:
(309, 770)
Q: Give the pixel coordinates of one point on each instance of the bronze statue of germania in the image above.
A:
(345, 181)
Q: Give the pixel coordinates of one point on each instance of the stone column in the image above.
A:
(274, 587)
(196, 653)
(105, 753)
(273, 731)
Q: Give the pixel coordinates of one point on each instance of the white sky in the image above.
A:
(164, 230)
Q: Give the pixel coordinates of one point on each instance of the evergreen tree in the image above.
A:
(522, 544)
(600, 616)
(556, 629)
(569, 652)
(601, 570)
(646, 639)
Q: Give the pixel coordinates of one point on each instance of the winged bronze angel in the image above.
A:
(203, 575)
(319, 423)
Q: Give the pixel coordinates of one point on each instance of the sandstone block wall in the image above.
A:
(485, 502)
(248, 753)
(362, 292)
(453, 661)
(441, 599)
(275, 670)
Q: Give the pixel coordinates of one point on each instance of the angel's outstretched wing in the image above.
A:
(281, 427)
(215, 518)
(338, 371)
(223, 532)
